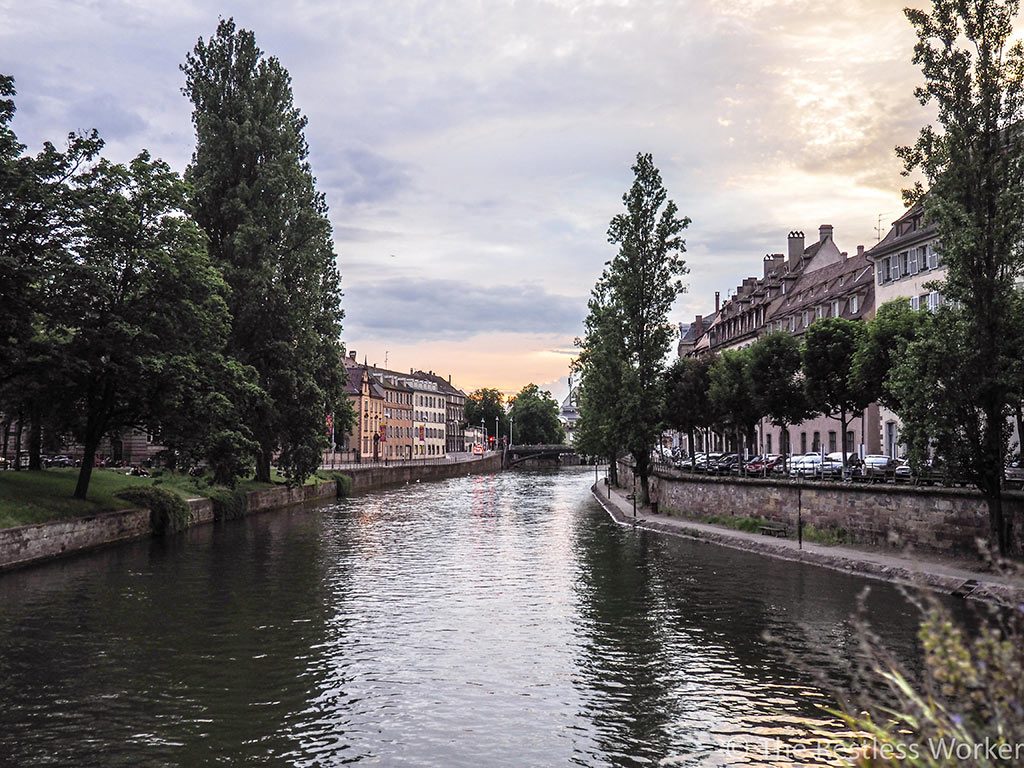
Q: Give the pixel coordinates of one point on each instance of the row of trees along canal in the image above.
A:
(205, 310)
(533, 413)
(955, 377)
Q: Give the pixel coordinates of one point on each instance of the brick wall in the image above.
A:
(941, 520)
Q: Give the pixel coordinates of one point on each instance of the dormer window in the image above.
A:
(854, 304)
(835, 308)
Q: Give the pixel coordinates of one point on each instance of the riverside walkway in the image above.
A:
(964, 578)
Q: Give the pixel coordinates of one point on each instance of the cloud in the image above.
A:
(454, 309)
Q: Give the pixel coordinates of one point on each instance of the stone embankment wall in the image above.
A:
(370, 478)
(942, 520)
(36, 543)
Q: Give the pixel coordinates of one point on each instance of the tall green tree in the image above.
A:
(731, 395)
(776, 381)
(534, 416)
(829, 349)
(36, 218)
(973, 167)
(894, 326)
(255, 197)
(643, 281)
(601, 365)
(687, 405)
(141, 300)
(486, 406)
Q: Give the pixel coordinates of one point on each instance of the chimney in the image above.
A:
(796, 248)
(769, 264)
(449, 378)
(698, 326)
(844, 254)
(718, 302)
(351, 354)
(860, 250)
(824, 232)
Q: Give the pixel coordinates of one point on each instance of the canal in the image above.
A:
(484, 621)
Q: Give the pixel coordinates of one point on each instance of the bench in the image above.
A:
(771, 529)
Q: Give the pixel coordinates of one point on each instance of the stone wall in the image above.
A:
(942, 520)
(36, 543)
(370, 478)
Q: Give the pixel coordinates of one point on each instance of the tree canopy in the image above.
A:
(255, 197)
(485, 405)
(534, 415)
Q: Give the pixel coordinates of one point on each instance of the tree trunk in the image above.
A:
(1002, 529)
(613, 471)
(842, 436)
(6, 438)
(263, 466)
(35, 438)
(85, 473)
(641, 469)
(693, 451)
(17, 445)
(1020, 430)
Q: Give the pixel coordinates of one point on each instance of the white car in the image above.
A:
(806, 465)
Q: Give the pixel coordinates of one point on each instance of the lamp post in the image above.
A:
(483, 431)
(510, 422)
(495, 433)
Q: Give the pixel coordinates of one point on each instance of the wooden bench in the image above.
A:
(771, 529)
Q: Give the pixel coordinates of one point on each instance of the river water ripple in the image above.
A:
(484, 621)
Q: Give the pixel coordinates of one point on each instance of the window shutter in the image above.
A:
(913, 261)
(881, 275)
(915, 302)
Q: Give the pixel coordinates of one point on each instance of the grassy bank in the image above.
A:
(38, 497)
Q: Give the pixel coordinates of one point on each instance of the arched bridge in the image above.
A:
(547, 454)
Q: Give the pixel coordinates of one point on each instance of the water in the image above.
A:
(484, 621)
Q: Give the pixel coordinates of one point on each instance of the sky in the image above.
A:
(472, 152)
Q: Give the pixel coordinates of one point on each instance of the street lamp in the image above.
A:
(495, 433)
(510, 421)
(483, 431)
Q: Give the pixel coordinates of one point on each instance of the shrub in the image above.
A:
(343, 481)
(228, 504)
(168, 512)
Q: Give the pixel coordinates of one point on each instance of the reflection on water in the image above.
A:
(500, 620)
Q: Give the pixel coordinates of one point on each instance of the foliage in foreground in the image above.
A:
(966, 707)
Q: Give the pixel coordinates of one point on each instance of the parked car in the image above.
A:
(806, 465)
(877, 467)
(831, 466)
(902, 471)
(1013, 472)
(59, 461)
(727, 464)
(760, 465)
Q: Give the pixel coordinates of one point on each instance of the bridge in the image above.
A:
(543, 454)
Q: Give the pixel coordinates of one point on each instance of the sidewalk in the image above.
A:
(954, 577)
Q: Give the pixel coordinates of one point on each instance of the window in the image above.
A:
(887, 269)
(934, 299)
(915, 302)
(768, 443)
(832, 442)
(792, 323)
(819, 312)
(803, 442)
(835, 308)
(922, 258)
(806, 318)
(854, 304)
(816, 444)
(933, 257)
(849, 440)
(904, 264)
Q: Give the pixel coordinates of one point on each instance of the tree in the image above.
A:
(141, 298)
(829, 349)
(894, 326)
(255, 197)
(643, 281)
(687, 406)
(36, 211)
(730, 394)
(534, 416)
(601, 365)
(485, 405)
(776, 382)
(973, 166)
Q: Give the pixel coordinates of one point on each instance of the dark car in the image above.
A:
(728, 464)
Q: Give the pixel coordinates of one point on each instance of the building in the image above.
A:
(429, 413)
(906, 263)
(455, 411)
(397, 434)
(569, 413)
(369, 400)
(806, 284)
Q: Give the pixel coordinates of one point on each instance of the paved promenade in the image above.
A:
(964, 578)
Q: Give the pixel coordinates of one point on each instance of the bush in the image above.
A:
(229, 504)
(168, 512)
(344, 483)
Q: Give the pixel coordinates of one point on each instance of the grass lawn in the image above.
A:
(37, 497)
